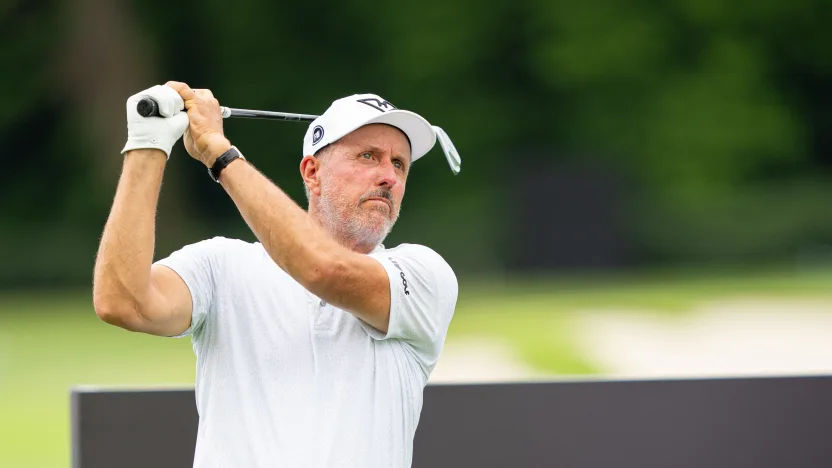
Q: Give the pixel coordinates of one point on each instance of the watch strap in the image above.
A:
(223, 161)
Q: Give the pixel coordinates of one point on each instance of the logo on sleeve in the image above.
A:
(378, 104)
(401, 273)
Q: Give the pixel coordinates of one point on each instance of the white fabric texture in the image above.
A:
(156, 132)
(285, 380)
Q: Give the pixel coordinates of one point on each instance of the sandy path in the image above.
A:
(725, 338)
(741, 337)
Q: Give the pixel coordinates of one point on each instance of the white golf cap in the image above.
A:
(352, 112)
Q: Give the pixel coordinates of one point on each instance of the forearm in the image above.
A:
(297, 243)
(122, 268)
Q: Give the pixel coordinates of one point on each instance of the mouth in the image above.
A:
(382, 200)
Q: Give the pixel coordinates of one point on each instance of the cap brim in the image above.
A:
(418, 130)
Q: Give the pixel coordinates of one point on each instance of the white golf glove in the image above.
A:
(156, 132)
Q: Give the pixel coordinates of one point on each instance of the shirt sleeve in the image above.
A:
(423, 295)
(196, 265)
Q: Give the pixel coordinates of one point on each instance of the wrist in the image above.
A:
(230, 168)
(223, 161)
(146, 155)
(215, 150)
(143, 164)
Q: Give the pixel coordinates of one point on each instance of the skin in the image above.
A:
(356, 187)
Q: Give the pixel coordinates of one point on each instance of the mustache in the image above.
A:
(379, 193)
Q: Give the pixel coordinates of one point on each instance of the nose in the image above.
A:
(386, 174)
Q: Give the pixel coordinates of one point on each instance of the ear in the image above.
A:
(310, 167)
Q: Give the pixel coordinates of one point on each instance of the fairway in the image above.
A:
(49, 343)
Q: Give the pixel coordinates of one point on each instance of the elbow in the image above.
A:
(112, 312)
(106, 311)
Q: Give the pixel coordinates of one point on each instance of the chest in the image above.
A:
(269, 311)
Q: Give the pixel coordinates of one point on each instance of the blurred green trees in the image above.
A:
(716, 115)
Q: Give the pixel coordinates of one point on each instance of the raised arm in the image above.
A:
(351, 281)
(127, 290)
(300, 246)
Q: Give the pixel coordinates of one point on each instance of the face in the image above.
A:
(359, 185)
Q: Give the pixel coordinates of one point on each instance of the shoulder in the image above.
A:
(415, 250)
(220, 243)
(421, 256)
(217, 247)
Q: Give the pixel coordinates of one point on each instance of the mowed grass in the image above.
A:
(50, 342)
(47, 345)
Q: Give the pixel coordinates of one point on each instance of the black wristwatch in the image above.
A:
(223, 161)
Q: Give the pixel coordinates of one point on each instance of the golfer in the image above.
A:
(314, 344)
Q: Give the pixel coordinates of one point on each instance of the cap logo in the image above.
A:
(317, 134)
(378, 104)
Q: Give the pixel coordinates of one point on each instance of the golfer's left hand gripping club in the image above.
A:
(149, 108)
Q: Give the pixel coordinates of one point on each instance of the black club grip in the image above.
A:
(148, 108)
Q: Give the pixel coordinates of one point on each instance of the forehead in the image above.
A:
(378, 135)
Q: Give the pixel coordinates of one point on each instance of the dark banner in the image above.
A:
(750, 422)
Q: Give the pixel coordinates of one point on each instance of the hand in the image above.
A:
(156, 132)
(204, 138)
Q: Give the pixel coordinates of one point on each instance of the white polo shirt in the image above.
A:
(286, 380)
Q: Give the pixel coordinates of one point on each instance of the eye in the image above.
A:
(367, 155)
(398, 164)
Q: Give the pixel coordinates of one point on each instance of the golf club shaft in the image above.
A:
(148, 108)
(229, 112)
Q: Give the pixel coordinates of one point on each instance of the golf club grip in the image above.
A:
(147, 108)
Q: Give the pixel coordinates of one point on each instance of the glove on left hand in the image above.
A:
(156, 132)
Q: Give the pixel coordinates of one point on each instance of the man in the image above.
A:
(313, 345)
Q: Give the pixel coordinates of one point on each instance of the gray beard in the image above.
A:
(350, 224)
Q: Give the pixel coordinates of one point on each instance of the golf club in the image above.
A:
(147, 107)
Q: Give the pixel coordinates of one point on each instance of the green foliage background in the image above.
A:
(716, 115)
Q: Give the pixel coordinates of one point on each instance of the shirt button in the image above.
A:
(323, 303)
